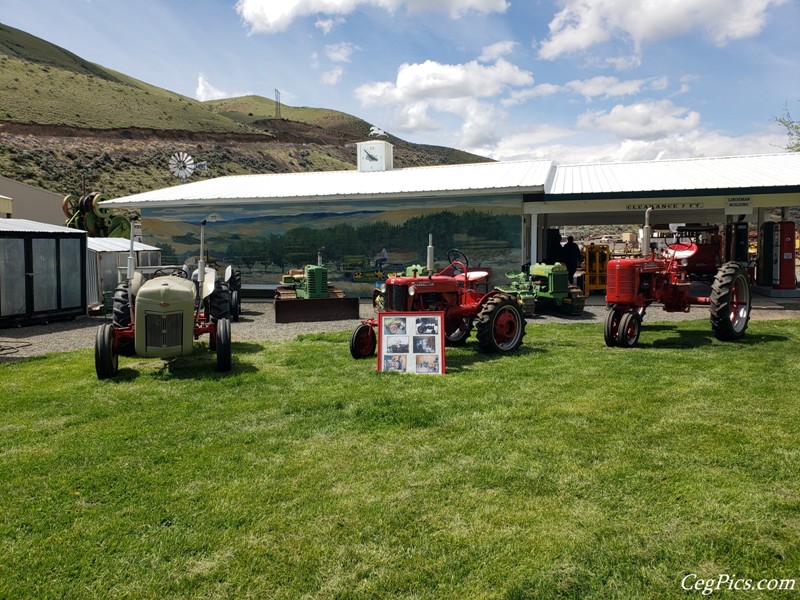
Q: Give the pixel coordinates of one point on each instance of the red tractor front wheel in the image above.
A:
(611, 327)
(630, 325)
(501, 325)
(363, 341)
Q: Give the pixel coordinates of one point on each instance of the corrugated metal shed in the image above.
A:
(471, 179)
(767, 172)
(26, 226)
(115, 245)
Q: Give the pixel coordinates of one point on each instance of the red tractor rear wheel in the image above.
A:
(730, 302)
(363, 341)
(501, 325)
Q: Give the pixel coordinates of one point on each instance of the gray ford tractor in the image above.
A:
(161, 317)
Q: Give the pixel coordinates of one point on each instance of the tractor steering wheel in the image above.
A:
(174, 272)
(454, 255)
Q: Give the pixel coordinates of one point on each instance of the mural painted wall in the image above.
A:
(266, 240)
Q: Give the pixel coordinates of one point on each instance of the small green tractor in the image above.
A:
(542, 287)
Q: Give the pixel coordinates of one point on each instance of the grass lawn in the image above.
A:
(566, 470)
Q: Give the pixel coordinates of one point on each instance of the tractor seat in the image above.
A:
(681, 251)
(472, 275)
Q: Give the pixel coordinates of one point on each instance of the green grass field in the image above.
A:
(566, 470)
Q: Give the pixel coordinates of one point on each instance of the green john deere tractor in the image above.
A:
(545, 287)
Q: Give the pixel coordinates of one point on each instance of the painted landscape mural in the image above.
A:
(360, 242)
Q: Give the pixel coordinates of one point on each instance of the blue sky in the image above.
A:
(571, 80)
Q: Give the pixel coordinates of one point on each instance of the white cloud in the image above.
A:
(495, 51)
(339, 53)
(601, 86)
(313, 60)
(607, 87)
(271, 16)
(581, 24)
(428, 80)
(641, 121)
(206, 91)
(452, 89)
(333, 76)
(565, 146)
(328, 25)
(538, 91)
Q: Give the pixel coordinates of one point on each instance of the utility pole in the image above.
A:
(277, 104)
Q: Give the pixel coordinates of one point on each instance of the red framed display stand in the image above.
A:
(411, 342)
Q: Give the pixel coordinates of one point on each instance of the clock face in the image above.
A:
(372, 157)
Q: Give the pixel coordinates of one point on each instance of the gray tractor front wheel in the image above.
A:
(106, 360)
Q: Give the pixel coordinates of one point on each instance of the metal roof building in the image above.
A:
(448, 180)
(549, 195)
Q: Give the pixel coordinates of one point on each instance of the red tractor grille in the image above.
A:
(621, 282)
(396, 297)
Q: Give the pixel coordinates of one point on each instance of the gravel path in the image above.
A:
(257, 323)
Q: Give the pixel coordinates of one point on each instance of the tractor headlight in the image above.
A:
(412, 290)
(685, 262)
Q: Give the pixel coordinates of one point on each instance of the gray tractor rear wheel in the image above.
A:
(220, 302)
(122, 318)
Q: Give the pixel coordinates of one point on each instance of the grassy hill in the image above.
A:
(47, 85)
(67, 123)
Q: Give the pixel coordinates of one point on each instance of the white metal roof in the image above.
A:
(24, 225)
(477, 178)
(115, 245)
(732, 172)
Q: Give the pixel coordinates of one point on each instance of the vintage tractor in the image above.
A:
(496, 316)
(633, 284)
(541, 287)
(162, 317)
(305, 295)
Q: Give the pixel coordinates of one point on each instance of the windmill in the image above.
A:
(181, 165)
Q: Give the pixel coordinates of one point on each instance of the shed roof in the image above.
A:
(24, 225)
(527, 176)
(115, 245)
(767, 172)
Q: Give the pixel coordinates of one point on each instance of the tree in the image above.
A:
(792, 129)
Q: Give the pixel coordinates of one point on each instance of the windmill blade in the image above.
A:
(181, 165)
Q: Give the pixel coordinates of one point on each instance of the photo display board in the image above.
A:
(411, 342)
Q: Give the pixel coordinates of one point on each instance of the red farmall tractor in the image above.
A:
(633, 284)
(495, 315)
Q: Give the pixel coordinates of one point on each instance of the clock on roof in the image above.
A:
(375, 156)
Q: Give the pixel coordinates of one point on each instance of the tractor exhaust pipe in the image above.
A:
(645, 249)
(131, 257)
(201, 263)
(429, 264)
